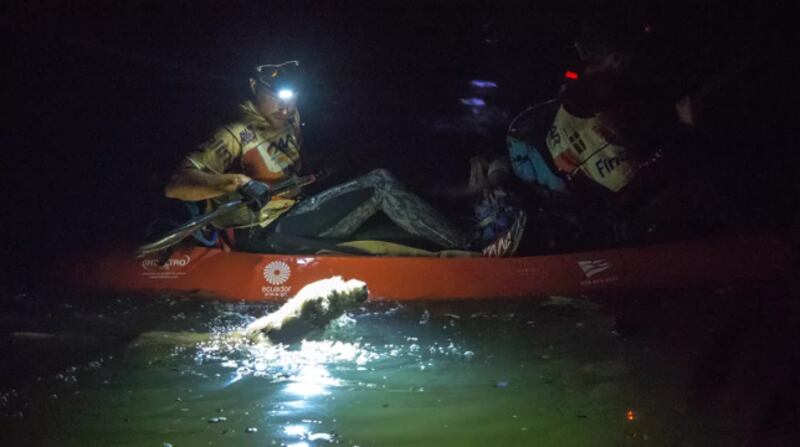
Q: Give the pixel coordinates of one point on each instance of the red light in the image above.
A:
(630, 415)
(570, 75)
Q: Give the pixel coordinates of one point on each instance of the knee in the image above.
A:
(383, 174)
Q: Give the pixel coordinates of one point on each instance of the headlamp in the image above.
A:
(285, 94)
(281, 78)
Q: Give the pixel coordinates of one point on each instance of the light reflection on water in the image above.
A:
(383, 369)
(308, 376)
(389, 374)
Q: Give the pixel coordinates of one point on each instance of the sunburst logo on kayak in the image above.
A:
(277, 272)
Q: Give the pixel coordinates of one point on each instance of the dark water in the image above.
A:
(669, 369)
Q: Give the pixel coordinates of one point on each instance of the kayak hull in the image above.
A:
(714, 262)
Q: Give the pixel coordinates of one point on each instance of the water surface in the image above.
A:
(689, 368)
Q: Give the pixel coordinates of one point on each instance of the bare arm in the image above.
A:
(192, 184)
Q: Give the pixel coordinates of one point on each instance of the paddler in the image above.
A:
(263, 148)
(611, 159)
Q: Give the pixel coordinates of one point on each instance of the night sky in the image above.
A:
(107, 96)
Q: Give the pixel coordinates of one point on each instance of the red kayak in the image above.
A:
(713, 262)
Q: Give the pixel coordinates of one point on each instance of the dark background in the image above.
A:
(106, 97)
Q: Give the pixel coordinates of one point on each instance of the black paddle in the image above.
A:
(183, 231)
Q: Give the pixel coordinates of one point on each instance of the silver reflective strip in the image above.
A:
(201, 166)
(196, 163)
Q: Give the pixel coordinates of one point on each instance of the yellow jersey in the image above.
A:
(254, 147)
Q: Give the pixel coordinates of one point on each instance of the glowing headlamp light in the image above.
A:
(285, 94)
(280, 79)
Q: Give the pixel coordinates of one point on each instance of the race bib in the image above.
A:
(576, 145)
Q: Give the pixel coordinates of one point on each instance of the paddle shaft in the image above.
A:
(183, 231)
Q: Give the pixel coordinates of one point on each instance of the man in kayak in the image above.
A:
(262, 149)
(611, 159)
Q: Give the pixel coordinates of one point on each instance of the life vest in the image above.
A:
(258, 149)
(527, 151)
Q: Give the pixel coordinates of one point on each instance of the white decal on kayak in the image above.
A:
(276, 291)
(277, 272)
(591, 268)
(169, 269)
